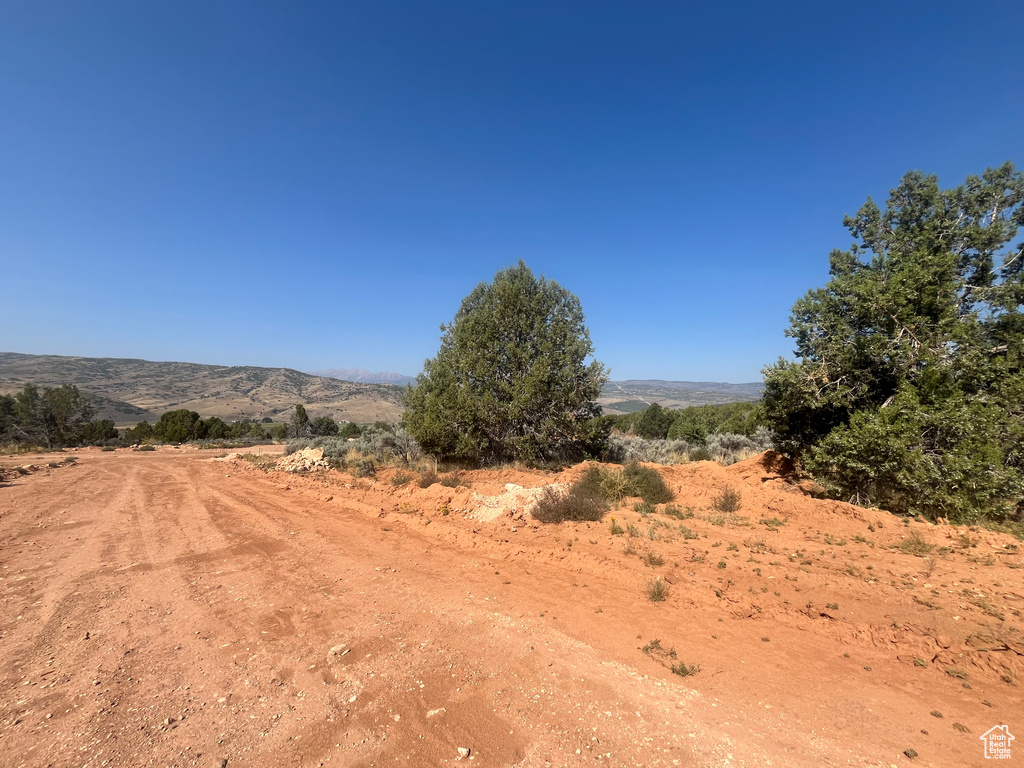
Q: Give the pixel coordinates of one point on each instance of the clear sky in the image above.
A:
(318, 185)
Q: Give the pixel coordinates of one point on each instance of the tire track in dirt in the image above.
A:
(277, 620)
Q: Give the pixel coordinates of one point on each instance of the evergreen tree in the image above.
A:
(655, 422)
(178, 426)
(909, 392)
(300, 422)
(511, 380)
(323, 426)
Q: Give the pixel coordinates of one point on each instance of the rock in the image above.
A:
(910, 753)
(936, 713)
(943, 642)
(464, 752)
(336, 650)
(433, 712)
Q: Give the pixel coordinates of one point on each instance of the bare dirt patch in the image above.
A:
(164, 609)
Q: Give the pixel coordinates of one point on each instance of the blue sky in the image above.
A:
(318, 185)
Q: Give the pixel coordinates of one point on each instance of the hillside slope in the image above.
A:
(127, 390)
(636, 394)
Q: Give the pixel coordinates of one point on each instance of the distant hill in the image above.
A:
(367, 377)
(128, 391)
(636, 394)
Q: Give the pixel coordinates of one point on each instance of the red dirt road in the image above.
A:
(172, 610)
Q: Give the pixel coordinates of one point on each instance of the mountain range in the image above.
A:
(129, 390)
(366, 377)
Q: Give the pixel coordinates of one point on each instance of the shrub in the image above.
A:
(578, 504)
(362, 468)
(632, 480)
(653, 559)
(700, 453)
(673, 511)
(428, 478)
(381, 445)
(684, 670)
(915, 544)
(647, 483)
(145, 448)
(616, 529)
(728, 500)
(400, 478)
(657, 590)
(627, 448)
(452, 481)
(654, 648)
(644, 508)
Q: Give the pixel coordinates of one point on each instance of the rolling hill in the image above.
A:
(367, 377)
(129, 391)
(636, 394)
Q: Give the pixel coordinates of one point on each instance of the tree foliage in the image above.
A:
(179, 426)
(299, 425)
(908, 391)
(323, 426)
(52, 417)
(694, 424)
(511, 380)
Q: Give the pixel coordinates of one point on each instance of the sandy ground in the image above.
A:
(169, 609)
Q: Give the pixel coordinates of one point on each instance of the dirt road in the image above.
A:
(167, 609)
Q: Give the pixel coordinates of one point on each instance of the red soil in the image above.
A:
(168, 609)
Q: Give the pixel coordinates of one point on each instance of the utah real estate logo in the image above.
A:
(997, 742)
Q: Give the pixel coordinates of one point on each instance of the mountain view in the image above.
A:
(129, 391)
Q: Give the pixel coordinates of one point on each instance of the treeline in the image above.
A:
(185, 426)
(61, 417)
(694, 424)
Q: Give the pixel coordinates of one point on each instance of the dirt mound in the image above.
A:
(773, 469)
(305, 460)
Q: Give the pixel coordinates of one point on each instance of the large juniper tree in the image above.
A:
(512, 378)
(909, 392)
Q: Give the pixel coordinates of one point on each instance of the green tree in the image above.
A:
(351, 429)
(8, 419)
(178, 426)
(142, 432)
(323, 426)
(908, 391)
(28, 415)
(214, 428)
(655, 422)
(511, 380)
(299, 426)
(97, 432)
(65, 411)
